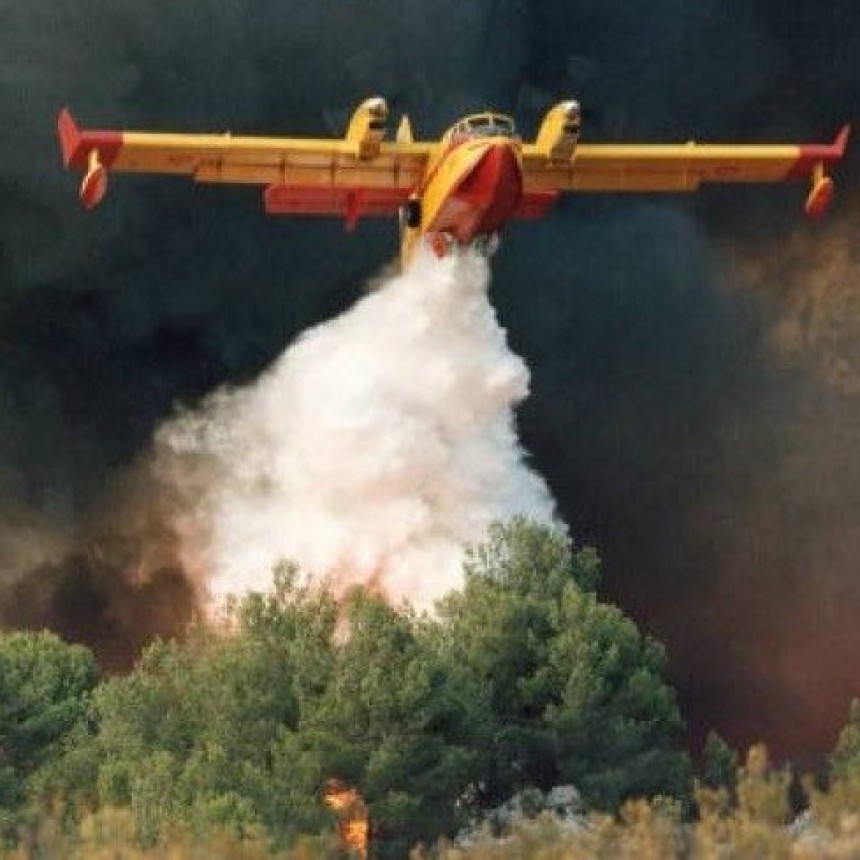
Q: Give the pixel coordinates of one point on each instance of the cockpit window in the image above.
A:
(486, 125)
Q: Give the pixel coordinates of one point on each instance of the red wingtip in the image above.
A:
(70, 136)
(841, 142)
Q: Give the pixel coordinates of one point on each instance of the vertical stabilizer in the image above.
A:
(404, 130)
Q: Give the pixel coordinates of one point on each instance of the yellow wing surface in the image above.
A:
(680, 167)
(353, 176)
(361, 174)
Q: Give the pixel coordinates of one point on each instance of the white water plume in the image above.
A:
(373, 450)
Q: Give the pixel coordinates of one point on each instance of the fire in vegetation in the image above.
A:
(352, 816)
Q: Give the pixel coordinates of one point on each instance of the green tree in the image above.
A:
(616, 721)
(243, 730)
(404, 724)
(193, 735)
(44, 691)
(524, 678)
(845, 759)
(720, 763)
(577, 694)
(836, 808)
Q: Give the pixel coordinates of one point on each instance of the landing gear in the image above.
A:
(410, 214)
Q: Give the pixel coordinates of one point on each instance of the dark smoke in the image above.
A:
(122, 580)
(693, 410)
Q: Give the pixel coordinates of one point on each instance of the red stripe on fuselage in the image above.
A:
(485, 198)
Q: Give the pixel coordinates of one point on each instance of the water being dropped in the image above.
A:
(374, 450)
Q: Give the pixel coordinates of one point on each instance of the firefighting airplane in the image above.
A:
(458, 190)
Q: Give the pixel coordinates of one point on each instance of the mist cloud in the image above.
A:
(374, 451)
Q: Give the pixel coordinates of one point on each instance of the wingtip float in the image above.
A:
(813, 164)
(460, 189)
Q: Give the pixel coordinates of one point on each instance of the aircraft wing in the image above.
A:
(300, 175)
(677, 168)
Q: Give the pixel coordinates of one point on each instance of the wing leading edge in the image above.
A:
(682, 167)
(361, 174)
(301, 175)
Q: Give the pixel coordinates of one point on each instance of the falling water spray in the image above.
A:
(374, 450)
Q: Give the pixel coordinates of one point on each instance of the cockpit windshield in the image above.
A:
(485, 125)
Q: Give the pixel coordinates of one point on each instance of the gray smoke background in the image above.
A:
(695, 362)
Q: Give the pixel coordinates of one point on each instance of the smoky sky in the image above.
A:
(695, 362)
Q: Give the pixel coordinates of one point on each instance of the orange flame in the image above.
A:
(353, 821)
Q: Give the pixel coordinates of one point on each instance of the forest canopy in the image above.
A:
(524, 679)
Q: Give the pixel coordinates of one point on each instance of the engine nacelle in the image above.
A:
(559, 131)
(367, 127)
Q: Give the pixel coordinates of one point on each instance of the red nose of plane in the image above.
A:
(492, 191)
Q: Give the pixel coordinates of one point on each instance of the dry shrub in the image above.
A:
(110, 834)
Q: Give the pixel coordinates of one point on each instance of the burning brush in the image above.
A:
(351, 810)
